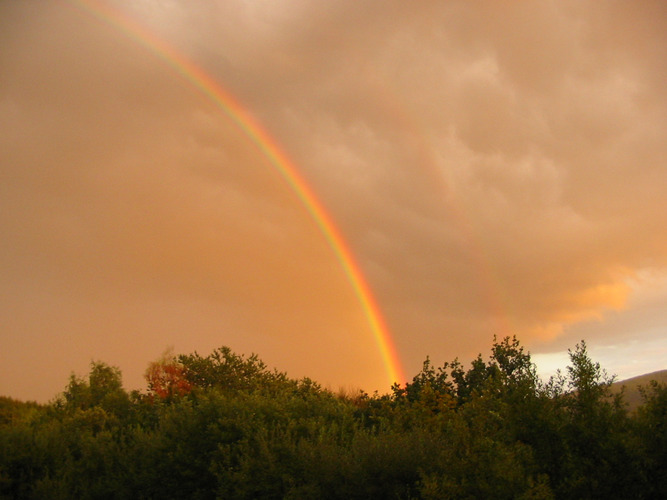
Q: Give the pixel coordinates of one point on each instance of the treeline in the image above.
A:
(225, 426)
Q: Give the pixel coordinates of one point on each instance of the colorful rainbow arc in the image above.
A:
(254, 130)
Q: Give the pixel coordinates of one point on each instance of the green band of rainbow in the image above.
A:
(256, 133)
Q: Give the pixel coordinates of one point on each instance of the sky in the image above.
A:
(495, 168)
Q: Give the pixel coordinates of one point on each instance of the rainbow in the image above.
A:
(272, 150)
(423, 151)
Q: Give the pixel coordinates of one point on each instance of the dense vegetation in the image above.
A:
(225, 426)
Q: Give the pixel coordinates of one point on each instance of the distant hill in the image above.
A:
(632, 395)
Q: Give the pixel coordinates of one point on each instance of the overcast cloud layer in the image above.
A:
(496, 167)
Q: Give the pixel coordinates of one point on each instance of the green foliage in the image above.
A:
(492, 430)
(652, 429)
(103, 389)
(13, 411)
(225, 370)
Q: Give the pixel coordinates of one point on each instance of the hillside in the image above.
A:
(632, 396)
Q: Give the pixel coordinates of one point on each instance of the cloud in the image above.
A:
(544, 124)
(495, 169)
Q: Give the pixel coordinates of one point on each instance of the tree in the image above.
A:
(603, 463)
(104, 389)
(652, 430)
(430, 389)
(226, 370)
(509, 358)
(166, 377)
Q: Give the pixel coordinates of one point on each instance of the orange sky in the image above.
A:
(495, 168)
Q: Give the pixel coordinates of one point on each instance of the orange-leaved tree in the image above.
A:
(166, 377)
